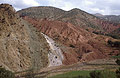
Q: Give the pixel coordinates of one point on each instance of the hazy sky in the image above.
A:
(91, 6)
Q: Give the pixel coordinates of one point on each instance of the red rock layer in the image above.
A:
(108, 26)
(77, 44)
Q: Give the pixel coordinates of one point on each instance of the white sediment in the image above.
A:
(55, 55)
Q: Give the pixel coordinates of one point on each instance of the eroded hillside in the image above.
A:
(21, 46)
(75, 16)
(77, 44)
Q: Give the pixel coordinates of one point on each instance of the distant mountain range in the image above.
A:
(111, 18)
(75, 16)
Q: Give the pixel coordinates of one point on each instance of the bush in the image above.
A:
(118, 61)
(118, 73)
(102, 74)
(6, 73)
(114, 43)
(108, 74)
(72, 46)
(113, 36)
(95, 74)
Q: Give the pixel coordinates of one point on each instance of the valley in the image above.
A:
(45, 41)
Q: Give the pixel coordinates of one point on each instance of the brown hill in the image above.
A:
(42, 12)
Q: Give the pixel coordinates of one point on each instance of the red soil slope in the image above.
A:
(77, 44)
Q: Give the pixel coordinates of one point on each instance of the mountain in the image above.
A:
(73, 30)
(99, 15)
(77, 44)
(75, 16)
(111, 18)
(45, 37)
(42, 12)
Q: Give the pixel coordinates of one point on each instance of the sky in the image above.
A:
(106, 7)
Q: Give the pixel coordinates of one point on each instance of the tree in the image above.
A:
(6, 73)
(95, 74)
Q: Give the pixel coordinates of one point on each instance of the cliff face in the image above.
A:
(21, 46)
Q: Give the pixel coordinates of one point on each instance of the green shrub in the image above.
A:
(95, 74)
(118, 61)
(114, 43)
(6, 73)
(102, 74)
(118, 73)
(72, 46)
(108, 74)
(113, 36)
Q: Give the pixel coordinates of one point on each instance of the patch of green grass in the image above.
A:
(72, 74)
(116, 57)
(85, 74)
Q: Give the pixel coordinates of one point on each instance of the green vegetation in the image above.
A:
(95, 74)
(116, 57)
(6, 73)
(114, 43)
(118, 61)
(118, 73)
(87, 74)
(72, 74)
(113, 36)
(72, 46)
(102, 74)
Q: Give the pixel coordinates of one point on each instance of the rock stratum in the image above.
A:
(40, 37)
